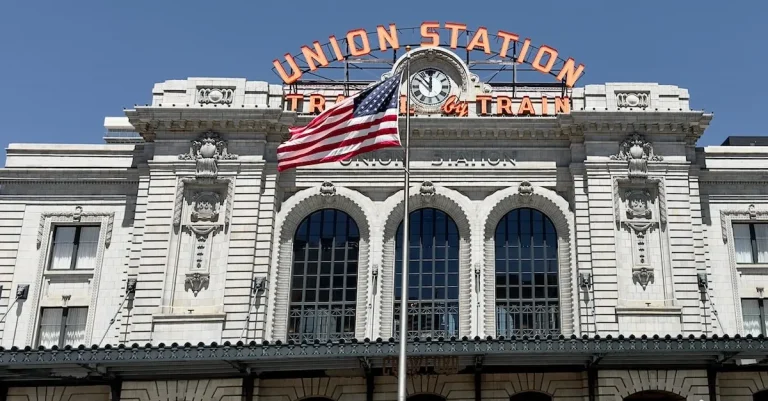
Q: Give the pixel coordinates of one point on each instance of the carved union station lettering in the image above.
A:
(423, 365)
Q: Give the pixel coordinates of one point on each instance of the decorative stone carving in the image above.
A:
(130, 286)
(642, 276)
(259, 283)
(206, 206)
(327, 189)
(646, 185)
(525, 189)
(631, 100)
(637, 152)
(206, 151)
(427, 190)
(78, 216)
(196, 282)
(702, 281)
(210, 187)
(750, 213)
(638, 204)
(215, 95)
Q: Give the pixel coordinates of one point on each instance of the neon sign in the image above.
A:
(505, 46)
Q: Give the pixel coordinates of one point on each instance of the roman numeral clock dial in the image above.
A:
(430, 86)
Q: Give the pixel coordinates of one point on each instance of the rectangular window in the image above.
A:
(62, 326)
(74, 247)
(751, 242)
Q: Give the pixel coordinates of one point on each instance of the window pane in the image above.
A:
(527, 295)
(50, 327)
(742, 243)
(87, 247)
(750, 310)
(74, 332)
(761, 237)
(324, 281)
(63, 245)
(433, 285)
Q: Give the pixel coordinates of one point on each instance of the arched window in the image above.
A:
(530, 396)
(654, 395)
(527, 286)
(760, 396)
(324, 277)
(433, 275)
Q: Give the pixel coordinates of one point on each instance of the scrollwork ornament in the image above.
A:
(327, 189)
(637, 152)
(427, 190)
(196, 282)
(643, 276)
(206, 151)
(525, 189)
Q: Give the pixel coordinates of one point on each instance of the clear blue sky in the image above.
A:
(68, 64)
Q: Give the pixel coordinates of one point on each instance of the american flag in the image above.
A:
(359, 124)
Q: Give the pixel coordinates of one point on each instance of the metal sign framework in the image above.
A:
(358, 71)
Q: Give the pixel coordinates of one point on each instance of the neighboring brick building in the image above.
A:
(540, 245)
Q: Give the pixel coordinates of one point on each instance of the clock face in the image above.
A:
(430, 86)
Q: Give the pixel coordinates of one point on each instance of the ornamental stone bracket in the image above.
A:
(196, 282)
(78, 216)
(427, 190)
(328, 190)
(642, 276)
(750, 213)
(525, 189)
(637, 152)
(207, 150)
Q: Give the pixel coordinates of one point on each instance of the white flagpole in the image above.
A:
(401, 366)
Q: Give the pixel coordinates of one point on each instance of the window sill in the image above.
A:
(190, 318)
(69, 273)
(753, 268)
(650, 310)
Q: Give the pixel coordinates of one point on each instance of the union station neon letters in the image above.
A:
(359, 44)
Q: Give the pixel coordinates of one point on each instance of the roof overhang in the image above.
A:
(356, 358)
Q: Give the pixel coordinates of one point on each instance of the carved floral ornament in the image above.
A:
(642, 276)
(196, 282)
(327, 189)
(525, 189)
(427, 190)
(107, 220)
(637, 152)
(206, 151)
(206, 203)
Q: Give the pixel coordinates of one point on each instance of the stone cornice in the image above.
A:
(150, 120)
(69, 176)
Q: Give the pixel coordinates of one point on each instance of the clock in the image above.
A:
(430, 86)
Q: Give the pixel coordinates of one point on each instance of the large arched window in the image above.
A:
(433, 275)
(530, 396)
(324, 277)
(527, 286)
(654, 395)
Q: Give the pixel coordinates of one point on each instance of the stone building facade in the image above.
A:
(546, 248)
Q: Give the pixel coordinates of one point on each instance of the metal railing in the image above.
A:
(429, 319)
(323, 324)
(527, 320)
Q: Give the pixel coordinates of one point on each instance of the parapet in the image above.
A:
(216, 92)
(630, 96)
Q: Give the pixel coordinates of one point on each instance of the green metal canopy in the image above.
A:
(291, 359)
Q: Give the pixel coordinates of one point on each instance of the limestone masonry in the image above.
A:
(600, 217)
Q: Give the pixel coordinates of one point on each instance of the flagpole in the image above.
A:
(401, 366)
